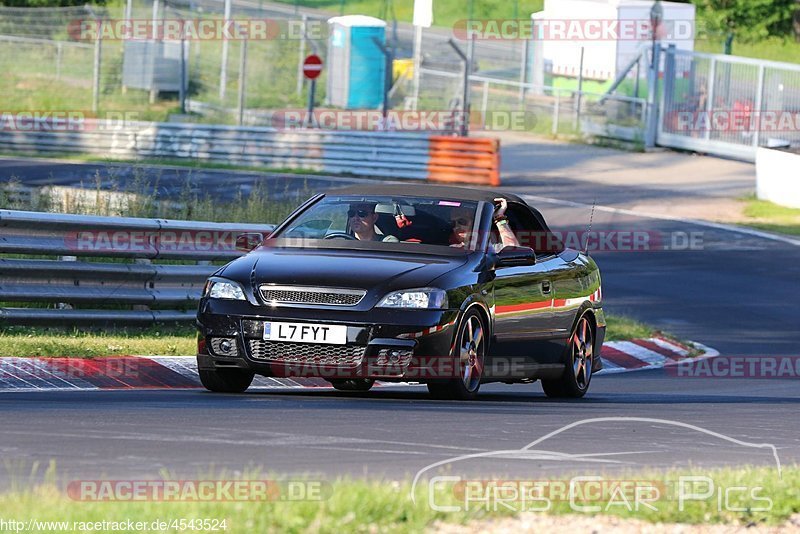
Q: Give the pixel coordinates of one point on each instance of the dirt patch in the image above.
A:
(530, 522)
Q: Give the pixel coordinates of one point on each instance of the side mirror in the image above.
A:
(249, 241)
(516, 257)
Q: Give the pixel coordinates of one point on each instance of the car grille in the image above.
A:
(325, 296)
(306, 353)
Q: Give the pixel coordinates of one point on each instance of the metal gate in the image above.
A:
(726, 105)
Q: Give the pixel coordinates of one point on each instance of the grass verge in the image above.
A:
(771, 217)
(174, 340)
(377, 506)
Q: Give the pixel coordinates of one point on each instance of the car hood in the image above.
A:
(335, 268)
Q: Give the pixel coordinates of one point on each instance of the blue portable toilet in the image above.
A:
(356, 65)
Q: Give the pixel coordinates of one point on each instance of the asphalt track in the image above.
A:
(734, 292)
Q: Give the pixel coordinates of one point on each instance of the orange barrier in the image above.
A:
(466, 160)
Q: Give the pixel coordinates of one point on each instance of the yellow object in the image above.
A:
(402, 67)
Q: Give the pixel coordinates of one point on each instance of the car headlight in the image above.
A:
(426, 297)
(220, 289)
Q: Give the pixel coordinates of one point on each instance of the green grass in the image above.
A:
(773, 49)
(172, 340)
(445, 12)
(379, 506)
(769, 216)
(44, 342)
(620, 328)
(143, 197)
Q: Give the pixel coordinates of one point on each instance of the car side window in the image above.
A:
(526, 228)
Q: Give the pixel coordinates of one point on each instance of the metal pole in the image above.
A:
(387, 75)
(712, 84)
(556, 112)
(223, 72)
(242, 79)
(59, 55)
(128, 10)
(465, 95)
(155, 19)
(182, 92)
(96, 84)
(580, 92)
(757, 107)
(523, 73)
(302, 56)
(651, 131)
(417, 64)
(309, 122)
(484, 103)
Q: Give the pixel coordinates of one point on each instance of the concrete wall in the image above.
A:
(778, 177)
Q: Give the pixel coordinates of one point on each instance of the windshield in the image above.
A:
(383, 220)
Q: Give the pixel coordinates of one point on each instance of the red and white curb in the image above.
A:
(651, 353)
(180, 372)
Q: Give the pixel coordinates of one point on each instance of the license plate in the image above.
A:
(306, 333)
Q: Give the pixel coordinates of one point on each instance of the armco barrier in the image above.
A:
(464, 160)
(81, 291)
(383, 154)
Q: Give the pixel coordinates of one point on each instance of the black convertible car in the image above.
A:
(405, 283)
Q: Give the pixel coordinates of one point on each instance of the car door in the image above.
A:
(523, 308)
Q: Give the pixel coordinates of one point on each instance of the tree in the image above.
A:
(750, 20)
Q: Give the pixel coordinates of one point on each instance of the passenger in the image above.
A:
(462, 220)
(362, 219)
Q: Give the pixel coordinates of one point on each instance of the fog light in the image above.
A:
(224, 346)
(393, 357)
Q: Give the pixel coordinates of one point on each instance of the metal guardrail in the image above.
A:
(381, 154)
(80, 291)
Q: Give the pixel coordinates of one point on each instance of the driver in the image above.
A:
(361, 218)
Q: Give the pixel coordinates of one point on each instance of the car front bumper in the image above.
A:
(383, 343)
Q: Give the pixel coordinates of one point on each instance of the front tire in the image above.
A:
(574, 383)
(470, 353)
(226, 380)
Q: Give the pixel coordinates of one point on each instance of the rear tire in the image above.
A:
(226, 380)
(354, 384)
(470, 352)
(574, 383)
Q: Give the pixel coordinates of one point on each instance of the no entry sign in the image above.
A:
(312, 66)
